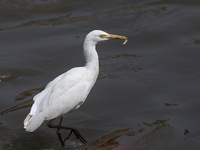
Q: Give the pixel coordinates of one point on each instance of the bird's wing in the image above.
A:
(48, 87)
(55, 88)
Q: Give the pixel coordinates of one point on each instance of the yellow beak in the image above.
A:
(112, 36)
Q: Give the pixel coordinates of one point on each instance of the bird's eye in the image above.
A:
(102, 36)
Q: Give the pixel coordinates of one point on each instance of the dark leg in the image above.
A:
(49, 124)
(76, 133)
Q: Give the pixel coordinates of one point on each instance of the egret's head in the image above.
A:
(96, 36)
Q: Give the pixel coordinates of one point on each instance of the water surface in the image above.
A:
(147, 93)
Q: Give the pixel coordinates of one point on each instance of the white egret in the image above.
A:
(68, 91)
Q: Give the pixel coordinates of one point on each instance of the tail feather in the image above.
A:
(32, 122)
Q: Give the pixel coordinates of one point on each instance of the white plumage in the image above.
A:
(68, 91)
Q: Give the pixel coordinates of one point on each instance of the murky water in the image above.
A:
(147, 93)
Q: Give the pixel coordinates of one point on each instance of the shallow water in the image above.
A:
(147, 93)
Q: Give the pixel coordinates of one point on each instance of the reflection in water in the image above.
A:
(27, 94)
(196, 41)
(67, 19)
(162, 8)
(22, 96)
(186, 132)
(160, 121)
(12, 75)
(156, 122)
(110, 73)
(169, 104)
(122, 55)
(158, 138)
(17, 107)
(3, 77)
(110, 141)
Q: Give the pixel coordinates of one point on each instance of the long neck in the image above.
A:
(91, 56)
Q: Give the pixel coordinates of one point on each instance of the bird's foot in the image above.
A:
(72, 130)
(66, 140)
(77, 134)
